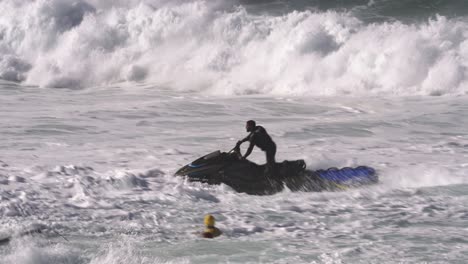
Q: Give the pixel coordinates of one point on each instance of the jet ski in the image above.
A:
(248, 177)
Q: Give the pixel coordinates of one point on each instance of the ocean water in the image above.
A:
(102, 101)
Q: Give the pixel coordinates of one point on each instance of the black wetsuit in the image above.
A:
(260, 138)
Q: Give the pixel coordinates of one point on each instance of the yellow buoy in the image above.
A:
(211, 231)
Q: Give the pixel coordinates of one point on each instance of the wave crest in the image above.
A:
(212, 47)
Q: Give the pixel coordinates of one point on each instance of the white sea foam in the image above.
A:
(96, 165)
(214, 47)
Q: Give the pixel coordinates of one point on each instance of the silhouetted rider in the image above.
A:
(260, 138)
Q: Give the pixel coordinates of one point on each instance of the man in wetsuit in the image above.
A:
(260, 138)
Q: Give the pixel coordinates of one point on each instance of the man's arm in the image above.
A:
(249, 150)
(243, 140)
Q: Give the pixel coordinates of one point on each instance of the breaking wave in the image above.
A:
(216, 47)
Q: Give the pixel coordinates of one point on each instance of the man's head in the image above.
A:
(250, 126)
(209, 220)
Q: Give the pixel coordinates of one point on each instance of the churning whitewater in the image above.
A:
(218, 47)
(87, 171)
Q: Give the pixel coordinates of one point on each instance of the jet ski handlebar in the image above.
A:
(236, 150)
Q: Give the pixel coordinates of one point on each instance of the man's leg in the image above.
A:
(271, 163)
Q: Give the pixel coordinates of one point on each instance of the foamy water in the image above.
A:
(218, 47)
(96, 166)
(149, 86)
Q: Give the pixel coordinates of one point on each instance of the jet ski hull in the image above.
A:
(251, 178)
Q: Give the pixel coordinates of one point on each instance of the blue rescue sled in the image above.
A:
(333, 179)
